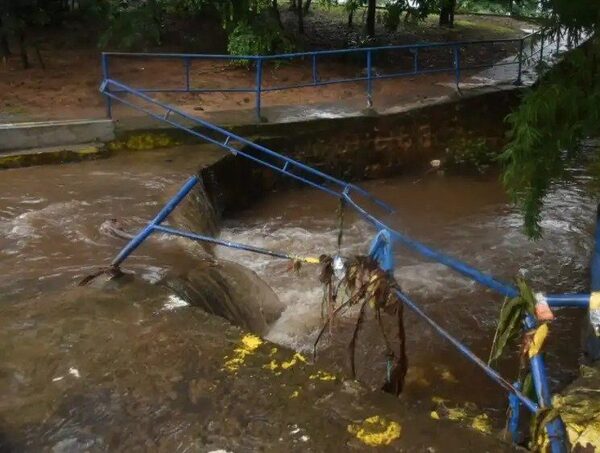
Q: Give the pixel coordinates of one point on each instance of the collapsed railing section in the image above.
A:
(382, 250)
(232, 143)
(452, 57)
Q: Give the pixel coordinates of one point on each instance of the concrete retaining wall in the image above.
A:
(359, 148)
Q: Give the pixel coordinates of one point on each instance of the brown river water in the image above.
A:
(58, 341)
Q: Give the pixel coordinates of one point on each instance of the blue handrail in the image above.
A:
(227, 139)
(258, 62)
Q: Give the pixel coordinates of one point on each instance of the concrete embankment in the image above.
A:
(377, 142)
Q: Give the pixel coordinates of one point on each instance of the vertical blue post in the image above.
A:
(315, 74)
(369, 79)
(186, 62)
(259, 76)
(160, 217)
(519, 80)
(515, 415)
(555, 429)
(105, 76)
(416, 60)
(382, 250)
(592, 342)
(457, 66)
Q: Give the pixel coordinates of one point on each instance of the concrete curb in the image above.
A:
(20, 136)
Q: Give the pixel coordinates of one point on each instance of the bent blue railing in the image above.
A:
(367, 55)
(382, 248)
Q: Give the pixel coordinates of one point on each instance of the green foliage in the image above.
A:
(134, 24)
(472, 155)
(265, 37)
(547, 129)
(516, 7)
(391, 16)
(511, 316)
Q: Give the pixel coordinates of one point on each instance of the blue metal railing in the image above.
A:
(139, 100)
(367, 55)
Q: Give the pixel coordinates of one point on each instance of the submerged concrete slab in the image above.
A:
(15, 136)
(131, 371)
(52, 155)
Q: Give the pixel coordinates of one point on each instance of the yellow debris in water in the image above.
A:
(482, 423)
(434, 415)
(249, 344)
(323, 376)
(376, 431)
(295, 394)
(439, 400)
(456, 414)
(273, 365)
(295, 359)
(449, 377)
(273, 352)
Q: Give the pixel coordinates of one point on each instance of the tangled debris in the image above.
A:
(366, 285)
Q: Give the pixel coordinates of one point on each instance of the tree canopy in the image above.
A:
(557, 114)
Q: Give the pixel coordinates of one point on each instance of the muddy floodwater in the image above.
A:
(133, 366)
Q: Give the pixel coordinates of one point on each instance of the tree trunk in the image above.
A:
(447, 13)
(277, 14)
(4, 47)
(300, 11)
(306, 6)
(23, 49)
(350, 18)
(371, 18)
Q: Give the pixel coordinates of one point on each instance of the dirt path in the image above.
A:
(68, 87)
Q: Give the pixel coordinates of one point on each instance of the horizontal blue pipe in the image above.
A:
(229, 244)
(339, 183)
(493, 374)
(568, 300)
(191, 90)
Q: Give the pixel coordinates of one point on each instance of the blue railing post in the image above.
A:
(381, 249)
(160, 217)
(555, 428)
(514, 418)
(186, 62)
(259, 77)
(457, 66)
(315, 74)
(105, 76)
(369, 79)
(519, 80)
